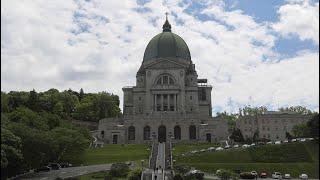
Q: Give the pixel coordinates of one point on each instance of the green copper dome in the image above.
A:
(167, 45)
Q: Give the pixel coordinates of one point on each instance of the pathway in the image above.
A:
(67, 172)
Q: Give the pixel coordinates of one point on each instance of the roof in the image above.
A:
(167, 45)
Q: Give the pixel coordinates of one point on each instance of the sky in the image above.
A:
(253, 52)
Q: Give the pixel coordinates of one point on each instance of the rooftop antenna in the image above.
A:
(166, 15)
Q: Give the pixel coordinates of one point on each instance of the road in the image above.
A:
(67, 172)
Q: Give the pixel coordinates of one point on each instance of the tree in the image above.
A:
(11, 156)
(4, 102)
(296, 109)
(288, 135)
(313, 125)
(81, 94)
(237, 135)
(300, 130)
(33, 100)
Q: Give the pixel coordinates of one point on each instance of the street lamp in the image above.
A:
(142, 164)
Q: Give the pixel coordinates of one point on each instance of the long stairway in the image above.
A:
(159, 163)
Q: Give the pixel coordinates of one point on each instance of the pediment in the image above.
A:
(165, 64)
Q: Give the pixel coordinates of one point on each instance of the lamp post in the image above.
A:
(142, 164)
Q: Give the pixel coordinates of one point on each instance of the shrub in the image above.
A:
(135, 174)
(177, 177)
(119, 170)
(226, 174)
(246, 175)
(182, 169)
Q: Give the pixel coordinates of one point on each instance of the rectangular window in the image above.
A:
(165, 80)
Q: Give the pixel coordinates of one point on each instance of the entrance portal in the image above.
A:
(162, 134)
(115, 139)
(208, 137)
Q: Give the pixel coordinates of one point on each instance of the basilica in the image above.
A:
(169, 102)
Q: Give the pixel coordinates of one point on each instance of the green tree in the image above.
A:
(81, 94)
(313, 125)
(296, 109)
(4, 102)
(237, 135)
(11, 156)
(301, 130)
(33, 100)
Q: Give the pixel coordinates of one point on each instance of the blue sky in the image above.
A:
(257, 52)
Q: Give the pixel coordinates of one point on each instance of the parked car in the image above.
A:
(263, 175)
(269, 142)
(254, 173)
(236, 146)
(202, 150)
(303, 176)
(65, 164)
(302, 140)
(310, 139)
(195, 174)
(253, 144)
(211, 149)
(54, 166)
(285, 141)
(219, 149)
(276, 175)
(227, 147)
(287, 176)
(43, 168)
(247, 175)
(245, 146)
(261, 143)
(277, 142)
(193, 152)
(293, 140)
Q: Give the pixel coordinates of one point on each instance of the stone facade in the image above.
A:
(270, 125)
(168, 101)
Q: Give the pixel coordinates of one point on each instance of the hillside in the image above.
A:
(293, 158)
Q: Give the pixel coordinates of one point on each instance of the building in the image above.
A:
(271, 125)
(168, 101)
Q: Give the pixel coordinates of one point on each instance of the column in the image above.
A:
(155, 102)
(168, 102)
(161, 102)
(175, 102)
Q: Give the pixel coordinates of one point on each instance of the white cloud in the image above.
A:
(99, 45)
(299, 18)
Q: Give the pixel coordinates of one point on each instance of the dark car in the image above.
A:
(263, 175)
(43, 168)
(65, 164)
(54, 166)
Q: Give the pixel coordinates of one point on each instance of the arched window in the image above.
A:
(132, 133)
(192, 132)
(146, 133)
(165, 80)
(177, 132)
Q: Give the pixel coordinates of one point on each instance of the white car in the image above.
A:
(193, 152)
(276, 175)
(285, 141)
(211, 149)
(253, 144)
(310, 139)
(219, 149)
(293, 140)
(245, 146)
(227, 147)
(236, 146)
(254, 173)
(303, 176)
(287, 176)
(277, 142)
(202, 150)
(302, 140)
(269, 142)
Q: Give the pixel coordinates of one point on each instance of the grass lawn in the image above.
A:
(293, 158)
(111, 153)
